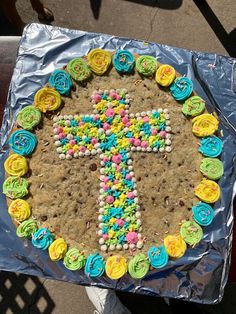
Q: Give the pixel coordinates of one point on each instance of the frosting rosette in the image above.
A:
(74, 259)
(15, 187)
(23, 142)
(94, 266)
(138, 266)
(175, 246)
(116, 266)
(47, 99)
(99, 60)
(19, 210)
(123, 61)
(61, 81)
(212, 168)
(78, 69)
(27, 228)
(158, 256)
(208, 191)
(182, 88)
(211, 146)
(193, 106)
(191, 232)
(42, 238)
(165, 75)
(28, 117)
(146, 65)
(203, 214)
(16, 165)
(57, 249)
(204, 125)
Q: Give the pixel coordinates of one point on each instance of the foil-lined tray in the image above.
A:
(200, 275)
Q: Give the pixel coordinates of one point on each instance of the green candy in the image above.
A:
(15, 187)
(191, 232)
(78, 69)
(74, 259)
(27, 228)
(193, 106)
(146, 65)
(28, 117)
(138, 266)
(212, 168)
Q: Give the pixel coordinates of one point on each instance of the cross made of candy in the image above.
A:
(113, 132)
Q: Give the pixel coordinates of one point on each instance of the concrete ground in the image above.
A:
(199, 25)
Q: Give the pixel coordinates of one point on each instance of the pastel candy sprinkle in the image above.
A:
(203, 214)
(158, 256)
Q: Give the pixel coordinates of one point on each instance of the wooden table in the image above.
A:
(8, 51)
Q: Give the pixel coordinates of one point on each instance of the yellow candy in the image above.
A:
(116, 266)
(16, 165)
(175, 246)
(19, 210)
(111, 234)
(204, 125)
(47, 99)
(165, 75)
(57, 249)
(99, 60)
(208, 191)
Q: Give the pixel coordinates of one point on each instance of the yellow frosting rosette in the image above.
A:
(208, 191)
(116, 266)
(16, 165)
(99, 60)
(204, 125)
(175, 246)
(19, 210)
(57, 249)
(165, 75)
(47, 99)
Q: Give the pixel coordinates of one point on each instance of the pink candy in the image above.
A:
(132, 237)
(105, 187)
(72, 142)
(110, 199)
(163, 134)
(105, 179)
(96, 98)
(130, 195)
(120, 222)
(128, 176)
(146, 119)
(59, 130)
(105, 236)
(94, 140)
(125, 120)
(122, 113)
(61, 136)
(117, 158)
(106, 126)
(70, 152)
(154, 132)
(137, 142)
(144, 144)
(82, 149)
(110, 112)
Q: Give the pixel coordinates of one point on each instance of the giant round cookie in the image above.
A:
(122, 165)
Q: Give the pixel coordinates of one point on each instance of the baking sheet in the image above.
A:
(200, 275)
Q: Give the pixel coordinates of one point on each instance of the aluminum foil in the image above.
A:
(200, 275)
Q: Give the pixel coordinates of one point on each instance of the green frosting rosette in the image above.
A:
(78, 69)
(191, 232)
(74, 259)
(15, 187)
(138, 266)
(146, 65)
(27, 228)
(28, 117)
(212, 168)
(193, 106)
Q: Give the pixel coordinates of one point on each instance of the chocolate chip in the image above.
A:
(181, 203)
(139, 179)
(93, 167)
(44, 218)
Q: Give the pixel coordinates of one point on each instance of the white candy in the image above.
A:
(135, 192)
(161, 149)
(112, 247)
(133, 148)
(125, 246)
(131, 115)
(55, 119)
(100, 217)
(139, 148)
(139, 222)
(167, 116)
(149, 149)
(139, 236)
(160, 110)
(168, 136)
(58, 143)
(68, 156)
(100, 233)
(168, 149)
(119, 247)
(55, 131)
(143, 149)
(62, 156)
(59, 150)
(168, 122)
(137, 114)
(81, 154)
(168, 129)
(168, 142)
(143, 114)
(103, 248)
(138, 214)
(127, 219)
(166, 110)
(129, 162)
(87, 152)
(101, 241)
(130, 168)
(70, 136)
(155, 149)
(76, 155)
(93, 151)
(132, 246)
(101, 203)
(101, 225)
(67, 122)
(139, 244)
(101, 210)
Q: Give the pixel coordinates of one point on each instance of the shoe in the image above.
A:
(106, 301)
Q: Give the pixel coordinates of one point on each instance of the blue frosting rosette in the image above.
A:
(94, 266)
(23, 142)
(123, 61)
(61, 81)
(158, 256)
(42, 238)
(211, 146)
(182, 88)
(203, 214)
